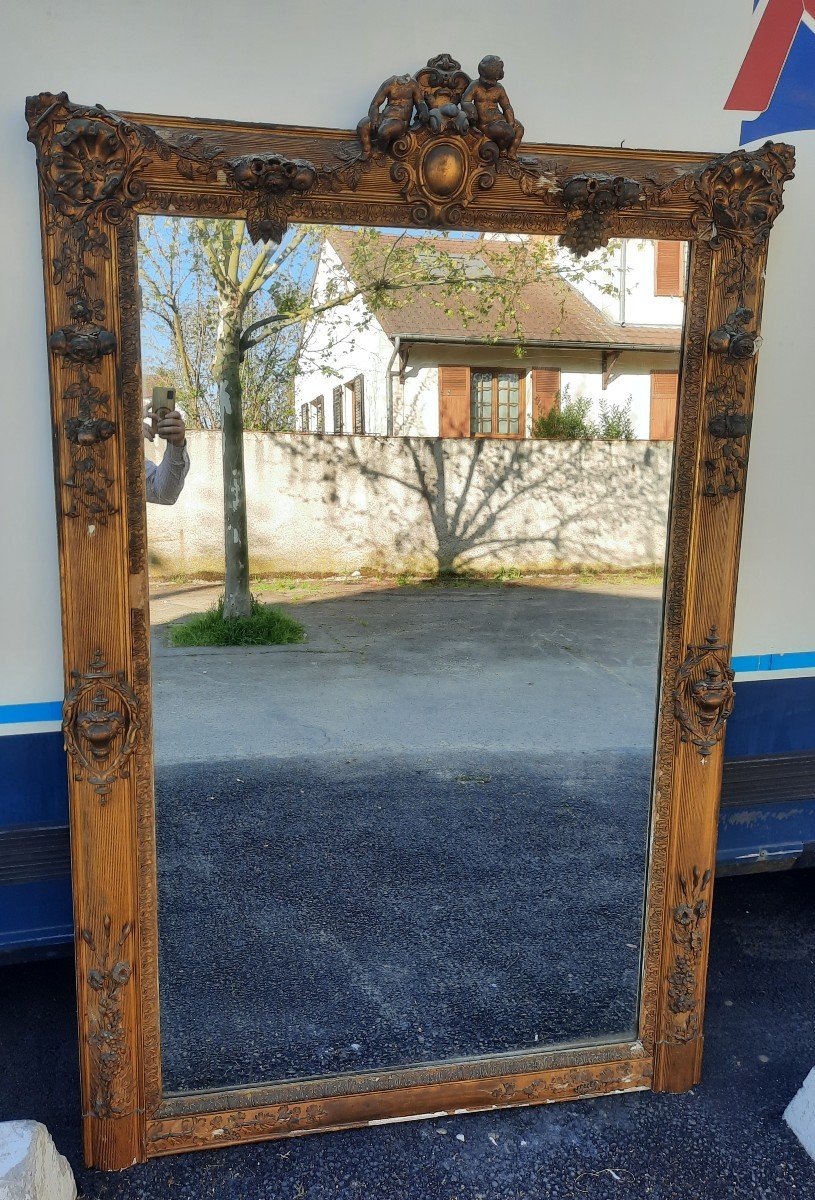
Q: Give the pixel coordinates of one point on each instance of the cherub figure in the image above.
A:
(487, 105)
(400, 95)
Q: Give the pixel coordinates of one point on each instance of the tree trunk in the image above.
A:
(226, 371)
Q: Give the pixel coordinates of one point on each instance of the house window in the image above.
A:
(357, 387)
(338, 424)
(305, 418)
(496, 403)
(319, 414)
(669, 269)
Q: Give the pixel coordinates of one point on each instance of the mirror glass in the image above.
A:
(407, 508)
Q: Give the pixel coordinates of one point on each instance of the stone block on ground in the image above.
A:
(31, 1167)
(800, 1114)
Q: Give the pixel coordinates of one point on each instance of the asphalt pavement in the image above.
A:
(725, 1140)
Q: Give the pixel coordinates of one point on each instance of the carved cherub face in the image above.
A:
(491, 68)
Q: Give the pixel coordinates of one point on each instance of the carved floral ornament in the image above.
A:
(107, 977)
(732, 346)
(689, 925)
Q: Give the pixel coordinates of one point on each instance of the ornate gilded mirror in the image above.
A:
(449, 845)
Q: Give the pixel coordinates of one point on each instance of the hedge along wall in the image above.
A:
(337, 504)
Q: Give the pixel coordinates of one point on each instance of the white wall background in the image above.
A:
(646, 72)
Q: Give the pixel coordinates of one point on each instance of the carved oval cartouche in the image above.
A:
(443, 168)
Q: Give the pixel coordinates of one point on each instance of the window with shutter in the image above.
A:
(357, 386)
(454, 402)
(545, 391)
(338, 423)
(305, 422)
(669, 269)
(664, 397)
(319, 414)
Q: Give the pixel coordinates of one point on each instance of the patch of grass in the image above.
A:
(265, 626)
(507, 573)
(645, 575)
(289, 585)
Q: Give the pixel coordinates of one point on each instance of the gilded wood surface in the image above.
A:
(97, 171)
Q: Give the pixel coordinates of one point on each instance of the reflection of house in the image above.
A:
(417, 370)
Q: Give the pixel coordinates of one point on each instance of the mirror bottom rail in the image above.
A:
(229, 1127)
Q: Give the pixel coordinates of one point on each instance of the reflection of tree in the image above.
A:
(251, 311)
(484, 502)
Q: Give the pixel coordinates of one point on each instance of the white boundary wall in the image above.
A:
(337, 504)
(318, 63)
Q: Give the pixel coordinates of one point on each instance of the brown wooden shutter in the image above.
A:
(545, 391)
(338, 409)
(358, 390)
(664, 388)
(668, 274)
(454, 402)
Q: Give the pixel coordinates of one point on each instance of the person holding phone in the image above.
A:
(165, 480)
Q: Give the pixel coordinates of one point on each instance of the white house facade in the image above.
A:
(416, 371)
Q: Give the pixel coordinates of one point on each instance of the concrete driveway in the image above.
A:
(559, 665)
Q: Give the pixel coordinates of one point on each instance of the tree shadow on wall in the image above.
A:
(466, 506)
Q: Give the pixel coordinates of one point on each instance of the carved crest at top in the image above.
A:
(445, 131)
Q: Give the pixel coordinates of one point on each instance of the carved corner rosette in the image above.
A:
(704, 694)
(101, 725)
(739, 195)
(688, 930)
(112, 1085)
(737, 198)
(91, 161)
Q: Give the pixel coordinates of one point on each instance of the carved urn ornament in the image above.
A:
(703, 696)
(101, 723)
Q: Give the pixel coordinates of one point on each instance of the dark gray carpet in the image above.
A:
(319, 916)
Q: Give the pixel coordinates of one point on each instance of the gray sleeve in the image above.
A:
(166, 479)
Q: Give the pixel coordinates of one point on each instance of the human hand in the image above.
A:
(171, 427)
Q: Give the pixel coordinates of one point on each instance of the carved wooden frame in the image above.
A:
(97, 172)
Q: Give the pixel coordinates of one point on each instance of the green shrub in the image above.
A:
(567, 421)
(616, 422)
(265, 626)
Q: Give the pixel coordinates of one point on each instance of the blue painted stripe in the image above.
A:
(19, 714)
(773, 662)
